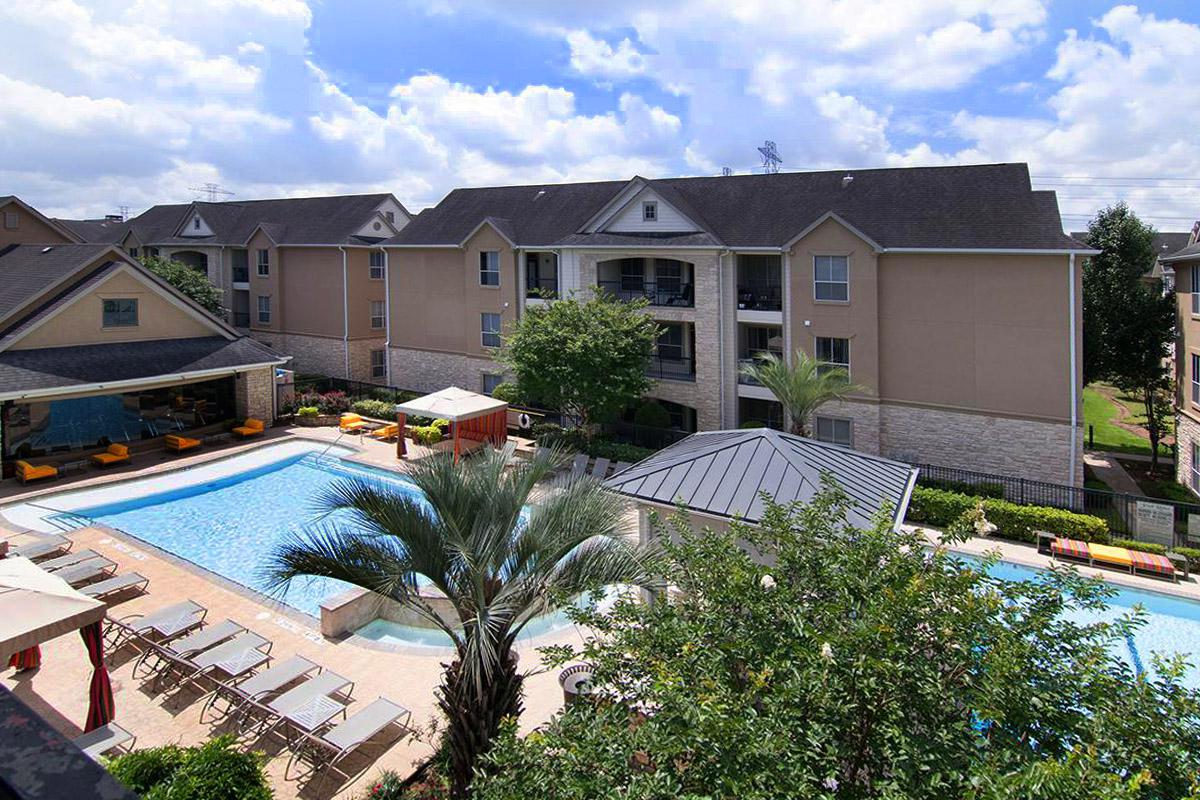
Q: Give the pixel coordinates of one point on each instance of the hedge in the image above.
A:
(549, 434)
(377, 409)
(941, 508)
(995, 490)
(204, 772)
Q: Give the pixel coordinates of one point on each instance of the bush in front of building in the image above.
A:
(942, 508)
(376, 409)
(308, 411)
(213, 769)
(995, 490)
(549, 434)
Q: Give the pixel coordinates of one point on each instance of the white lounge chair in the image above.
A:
(600, 468)
(161, 625)
(325, 750)
(621, 467)
(115, 585)
(107, 737)
(87, 571)
(44, 546)
(579, 465)
(179, 650)
(234, 658)
(68, 560)
(264, 684)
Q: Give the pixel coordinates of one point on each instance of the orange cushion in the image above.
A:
(118, 449)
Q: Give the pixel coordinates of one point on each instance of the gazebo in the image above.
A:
(473, 417)
(35, 607)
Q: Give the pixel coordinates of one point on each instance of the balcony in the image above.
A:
(541, 288)
(241, 275)
(671, 368)
(759, 283)
(760, 296)
(663, 293)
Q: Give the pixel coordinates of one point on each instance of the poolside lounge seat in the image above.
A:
(250, 428)
(390, 431)
(114, 454)
(1071, 548)
(621, 466)
(28, 472)
(181, 444)
(1111, 556)
(96, 742)
(264, 684)
(272, 712)
(164, 624)
(179, 650)
(44, 546)
(325, 750)
(87, 571)
(579, 465)
(68, 560)
(600, 469)
(234, 658)
(352, 423)
(1153, 564)
(115, 585)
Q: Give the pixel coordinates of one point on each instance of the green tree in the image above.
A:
(468, 540)
(800, 387)
(190, 282)
(1144, 371)
(859, 664)
(586, 358)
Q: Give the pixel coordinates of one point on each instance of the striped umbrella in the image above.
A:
(26, 659)
(101, 709)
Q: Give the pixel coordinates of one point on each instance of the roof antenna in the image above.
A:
(770, 157)
(214, 191)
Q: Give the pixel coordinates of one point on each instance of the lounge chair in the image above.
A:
(1110, 556)
(45, 545)
(264, 684)
(600, 469)
(250, 428)
(68, 560)
(114, 454)
(181, 444)
(1153, 564)
(621, 467)
(234, 658)
(390, 431)
(28, 472)
(579, 465)
(352, 423)
(182, 649)
(325, 750)
(1071, 549)
(274, 711)
(97, 742)
(106, 588)
(161, 625)
(92, 569)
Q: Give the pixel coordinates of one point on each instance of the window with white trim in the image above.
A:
(834, 430)
(489, 268)
(489, 329)
(1195, 467)
(264, 262)
(650, 211)
(377, 320)
(264, 309)
(390, 216)
(11, 220)
(133, 251)
(831, 278)
(1195, 290)
(490, 381)
(833, 353)
(376, 265)
(1195, 379)
(120, 313)
(195, 223)
(379, 363)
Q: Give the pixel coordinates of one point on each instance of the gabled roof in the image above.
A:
(29, 270)
(67, 233)
(1166, 243)
(723, 473)
(985, 206)
(1189, 253)
(92, 230)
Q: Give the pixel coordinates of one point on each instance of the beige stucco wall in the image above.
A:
(81, 322)
(269, 286)
(29, 230)
(1187, 343)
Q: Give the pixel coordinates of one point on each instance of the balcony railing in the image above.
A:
(662, 293)
(241, 275)
(241, 319)
(541, 287)
(749, 359)
(667, 368)
(754, 296)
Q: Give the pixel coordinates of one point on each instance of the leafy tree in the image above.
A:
(1144, 371)
(187, 280)
(586, 358)
(860, 664)
(466, 539)
(800, 387)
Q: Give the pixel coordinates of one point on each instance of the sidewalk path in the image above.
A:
(1109, 470)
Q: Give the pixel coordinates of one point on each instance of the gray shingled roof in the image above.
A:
(93, 230)
(980, 206)
(721, 473)
(63, 367)
(294, 220)
(1188, 253)
(27, 270)
(1166, 243)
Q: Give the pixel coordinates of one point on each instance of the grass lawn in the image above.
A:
(1161, 484)
(1100, 432)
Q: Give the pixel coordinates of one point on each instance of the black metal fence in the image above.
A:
(1119, 510)
(643, 435)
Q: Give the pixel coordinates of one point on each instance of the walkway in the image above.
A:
(1108, 469)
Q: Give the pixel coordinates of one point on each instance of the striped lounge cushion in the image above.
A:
(1151, 562)
(1070, 547)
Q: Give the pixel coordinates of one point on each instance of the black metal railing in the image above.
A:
(643, 435)
(1118, 510)
(754, 296)
(541, 287)
(660, 293)
(241, 275)
(240, 319)
(749, 360)
(669, 368)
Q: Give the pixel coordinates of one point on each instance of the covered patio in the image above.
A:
(474, 418)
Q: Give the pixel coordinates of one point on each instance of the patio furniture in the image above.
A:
(474, 418)
(87, 571)
(179, 651)
(46, 545)
(181, 444)
(164, 624)
(579, 465)
(1180, 563)
(306, 706)
(234, 658)
(1071, 549)
(325, 750)
(99, 741)
(600, 469)
(67, 560)
(113, 454)
(1111, 556)
(28, 472)
(352, 423)
(250, 428)
(384, 432)
(264, 684)
(1152, 564)
(108, 587)
(621, 467)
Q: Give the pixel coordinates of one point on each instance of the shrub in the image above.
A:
(308, 411)
(379, 409)
(752, 423)
(388, 786)
(942, 508)
(995, 490)
(617, 451)
(427, 435)
(441, 424)
(508, 392)
(548, 434)
(1192, 554)
(142, 770)
(327, 403)
(1145, 547)
(651, 414)
(214, 769)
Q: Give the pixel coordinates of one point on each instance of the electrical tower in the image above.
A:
(124, 212)
(213, 191)
(726, 171)
(770, 157)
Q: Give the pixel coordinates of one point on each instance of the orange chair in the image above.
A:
(181, 444)
(386, 432)
(115, 454)
(251, 427)
(28, 472)
(351, 423)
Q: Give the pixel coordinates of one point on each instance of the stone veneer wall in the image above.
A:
(318, 355)
(427, 371)
(1187, 432)
(360, 360)
(254, 394)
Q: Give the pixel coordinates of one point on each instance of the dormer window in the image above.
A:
(390, 216)
(195, 223)
(650, 211)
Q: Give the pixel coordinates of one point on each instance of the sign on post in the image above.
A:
(1155, 522)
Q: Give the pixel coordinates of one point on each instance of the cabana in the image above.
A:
(473, 417)
(35, 607)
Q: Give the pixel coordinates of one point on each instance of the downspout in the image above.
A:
(387, 319)
(345, 315)
(1074, 367)
(721, 300)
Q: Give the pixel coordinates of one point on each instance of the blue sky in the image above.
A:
(133, 102)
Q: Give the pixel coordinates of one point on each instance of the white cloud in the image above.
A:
(592, 56)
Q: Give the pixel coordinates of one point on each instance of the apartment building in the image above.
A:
(951, 294)
(1186, 265)
(305, 276)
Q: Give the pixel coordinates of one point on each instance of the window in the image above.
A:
(1195, 379)
(152, 252)
(133, 252)
(833, 430)
(831, 278)
(11, 220)
(489, 268)
(1196, 466)
(650, 211)
(378, 363)
(489, 328)
(761, 340)
(633, 275)
(377, 320)
(240, 265)
(670, 342)
(264, 263)
(264, 309)
(490, 381)
(376, 268)
(120, 313)
(668, 275)
(390, 216)
(833, 353)
(1195, 287)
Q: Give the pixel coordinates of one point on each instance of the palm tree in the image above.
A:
(497, 567)
(802, 386)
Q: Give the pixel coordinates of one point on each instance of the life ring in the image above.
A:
(524, 421)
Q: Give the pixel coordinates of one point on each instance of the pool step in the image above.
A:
(66, 522)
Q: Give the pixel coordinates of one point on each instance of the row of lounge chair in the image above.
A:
(1131, 561)
(85, 570)
(600, 467)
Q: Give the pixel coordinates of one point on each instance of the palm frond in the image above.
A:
(802, 386)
